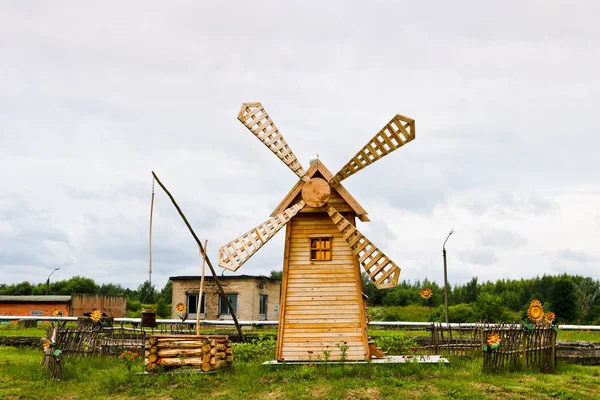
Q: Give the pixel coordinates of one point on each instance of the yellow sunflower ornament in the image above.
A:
(549, 317)
(180, 307)
(426, 293)
(535, 312)
(96, 316)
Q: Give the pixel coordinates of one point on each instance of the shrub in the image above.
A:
(261, 349)
(399, 343)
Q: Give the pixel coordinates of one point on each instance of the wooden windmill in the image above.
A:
(322, 306)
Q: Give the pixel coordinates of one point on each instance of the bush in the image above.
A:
(398, 343)
(261, 349)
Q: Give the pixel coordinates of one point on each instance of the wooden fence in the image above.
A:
(520, 347)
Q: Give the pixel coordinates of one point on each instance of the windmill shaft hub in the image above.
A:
(316, 192)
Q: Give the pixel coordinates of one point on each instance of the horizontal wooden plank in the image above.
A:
(327, 288)
(330, 343)
(323, 304)
(354, 329)
(322, 284)
(299, 311)
(307, 326)
(297, 322)
(343, 336)
(321, 299)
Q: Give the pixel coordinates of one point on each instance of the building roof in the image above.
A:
(222, 278)
(318, 166)
(35, 299)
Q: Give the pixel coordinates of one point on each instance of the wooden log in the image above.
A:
(206, 358)
(152, 340)
(213, 351)
(205, 348)
(220, 364)
(220, 355)
(213, 361)
(173, 362)
(165, 353)
(153, 350)
(150, 367)
(213, 342)
(182, 344)
(229, 350)
(224, 339)
(229, 358)
(220, 347)
(152, 358)
(205, 367)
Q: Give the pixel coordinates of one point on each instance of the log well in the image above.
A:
(171, 351)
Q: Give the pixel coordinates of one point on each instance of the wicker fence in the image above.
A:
(520, 347)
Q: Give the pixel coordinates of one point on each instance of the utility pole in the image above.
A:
(446, 275)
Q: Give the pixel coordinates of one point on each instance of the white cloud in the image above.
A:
(94, 97)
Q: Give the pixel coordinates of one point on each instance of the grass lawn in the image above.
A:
(22, 377)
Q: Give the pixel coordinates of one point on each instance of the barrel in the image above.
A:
(149, 318)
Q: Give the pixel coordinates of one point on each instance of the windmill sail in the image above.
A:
(382, 271)
(399, 131)
(255, 118)
(235, 253)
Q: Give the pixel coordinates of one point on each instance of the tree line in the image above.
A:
(574, 299)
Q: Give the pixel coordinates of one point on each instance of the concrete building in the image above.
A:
(74, 306)
(253, 298)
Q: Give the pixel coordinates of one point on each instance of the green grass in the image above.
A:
(22, 377)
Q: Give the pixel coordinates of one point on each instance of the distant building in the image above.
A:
(254, 298)
(74, 306)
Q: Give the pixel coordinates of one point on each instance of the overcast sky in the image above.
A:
(96, 95)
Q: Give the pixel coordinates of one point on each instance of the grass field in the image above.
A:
(22, 377)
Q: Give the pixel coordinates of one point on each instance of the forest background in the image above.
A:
(574, 299)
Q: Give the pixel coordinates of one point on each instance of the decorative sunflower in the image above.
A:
(493, 340)
(549, 317)
(96, 316)
(56, 313)
(180, 307)
(47, 343)
(426, 293)
(535, 312)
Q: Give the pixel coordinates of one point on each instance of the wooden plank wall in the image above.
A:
(322, 300)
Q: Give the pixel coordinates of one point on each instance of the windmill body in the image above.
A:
(322, 313)
(321, 294)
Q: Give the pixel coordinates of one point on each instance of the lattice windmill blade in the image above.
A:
(257, 120)
(395, 134)
(235, 253)
(382, 271)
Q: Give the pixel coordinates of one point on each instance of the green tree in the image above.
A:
(490, 308)
(276, 275)
(563, 297)
(147, 293)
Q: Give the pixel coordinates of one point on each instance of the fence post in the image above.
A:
(524, 346)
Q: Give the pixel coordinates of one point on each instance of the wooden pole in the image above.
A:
(203, 253)
(212, 270)
(150, 239)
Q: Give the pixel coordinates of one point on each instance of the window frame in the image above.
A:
(202, 303)
(321, 247)
(223, 305)
(263, 299)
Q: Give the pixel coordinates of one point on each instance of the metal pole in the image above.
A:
(48, 280)
(446, 276)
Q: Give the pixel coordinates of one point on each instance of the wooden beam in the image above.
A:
(212, 270)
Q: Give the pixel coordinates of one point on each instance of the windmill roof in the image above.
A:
(318, 166)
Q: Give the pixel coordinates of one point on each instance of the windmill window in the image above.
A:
(320, 249)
